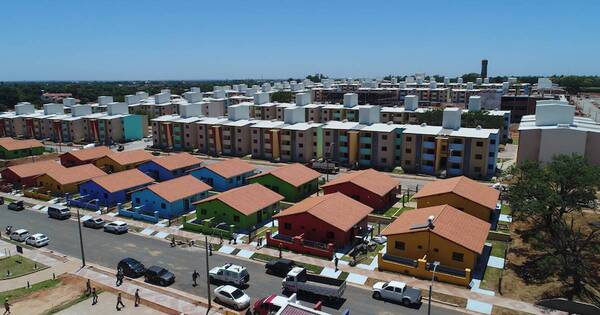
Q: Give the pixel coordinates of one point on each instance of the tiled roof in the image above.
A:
(123, 180)
(11, 144)
(75, 174)
(247, 199)
(231, 167)
(131, 157)
(35, 168)
(179, 188)
(448, 222)
(371, 180)
(296, 174)
(464, 187)
(90, 154)
(177, 161)
(336, 209)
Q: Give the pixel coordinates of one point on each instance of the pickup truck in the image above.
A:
(396, 291)
(229, 273)
(299, 280)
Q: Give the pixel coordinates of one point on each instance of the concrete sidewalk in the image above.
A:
(107, 305)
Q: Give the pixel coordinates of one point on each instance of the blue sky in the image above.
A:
(126, 39)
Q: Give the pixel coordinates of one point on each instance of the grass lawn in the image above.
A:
(262, 257)
(505, 209)
(394, 212)
(309, 267)
(490, 278)
(17, 293)
(262, 232)
(498, 248)
(343, 275)
(18, 266)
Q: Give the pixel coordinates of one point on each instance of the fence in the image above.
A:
(85, 202)
(206, 227)
(299, 245)
(419, 268)
(33, 193)
(137, 214)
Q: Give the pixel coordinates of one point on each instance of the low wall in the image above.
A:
(421, 271)
(136, 215)
(205, 228)
(37, 195)
(296, 245)
(374, 218)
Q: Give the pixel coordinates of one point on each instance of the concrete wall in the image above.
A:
(561, 141)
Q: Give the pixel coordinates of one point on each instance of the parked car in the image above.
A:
(396, 291)
(131, 267)
(94, 223)
(59, 212)
(159, 275)
(19, 235)
(229, 273)
(116, 227)
(379, 239)
(279, 267)
(16, 205)
(299, 280)
(232, 296)
(37, 240)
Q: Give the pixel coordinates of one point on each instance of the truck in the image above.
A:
(275, 304)
(229, 273)
(299, 280)
(396, 291)
(324, 166)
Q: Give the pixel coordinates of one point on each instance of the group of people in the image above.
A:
(120, 276)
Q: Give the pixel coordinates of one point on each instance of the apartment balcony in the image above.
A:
(364, 162)
(286, 147)
(365, 150)
(456, 147)
(428, 144)
(344, 149)
(343, 138)
(366, 140)
(455, 171)
(428, 157)
(455, 159)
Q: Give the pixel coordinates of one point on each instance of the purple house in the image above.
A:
(169, 167)
(114, 188)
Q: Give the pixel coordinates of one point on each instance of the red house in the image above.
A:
(84, 156)
(24, 175)
(375, 189)
(333, 220)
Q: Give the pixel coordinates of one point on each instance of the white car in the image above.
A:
(396, 291)
(116, 227)
(232, 296)
(37, 240)
(19, 235)
(229, 273)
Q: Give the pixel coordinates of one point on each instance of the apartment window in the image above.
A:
(478, 156)
(408, 139)
(477, 169)
(408, 150)
(383, 137)
(327, 133)
(490, 167)
(383, 160)
(399, 245)
(187, 126)
(492, 141)
(458, 256)
(383, 148)
(254, 132)
(479, 143)
(254, 141)
(300, 135)
(491, 154)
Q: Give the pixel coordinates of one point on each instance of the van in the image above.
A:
(19, 235)
(59, 212)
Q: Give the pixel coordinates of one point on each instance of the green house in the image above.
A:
(14, 149)
(243, 207)
(293, 181)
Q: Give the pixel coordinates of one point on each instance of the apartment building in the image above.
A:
(160, 104)
(265, 136)
(340, 141)
(236, 131)
(177, 132)
(209, 135)
(114, 126)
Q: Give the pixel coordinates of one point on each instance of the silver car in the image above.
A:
(232, 296)
(116, 227)
(37, 240)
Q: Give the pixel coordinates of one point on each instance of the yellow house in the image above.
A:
(462, 193)
(121, 161)
(441, 233)
(67, 180)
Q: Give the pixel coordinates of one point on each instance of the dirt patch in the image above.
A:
(40, 302)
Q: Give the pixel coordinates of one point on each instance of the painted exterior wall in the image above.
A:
(105, 198)
(47, 183)
(15, 154)
(160, 173)
(317, 230)
(14, 179)
(135, 127)
(364, 196)
(152, 202)
(457, 202)
(110, 166)
(224, 213)
(288, 191)
(529, 145)
(219, 183)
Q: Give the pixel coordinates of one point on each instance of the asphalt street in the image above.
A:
(107, 249)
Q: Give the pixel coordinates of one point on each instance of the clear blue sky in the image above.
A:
(126, 39)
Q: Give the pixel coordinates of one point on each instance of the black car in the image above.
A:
(94, 223)
(159, 275)
(131, 267)
(279, 267)
(16, 205)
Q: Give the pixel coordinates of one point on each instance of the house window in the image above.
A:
(492, 141)
(436, 250)
(236, 218)
(163, 205)
(458, 256)
(330, 235)
(420, 247)
(287, 226)
(399, 245)
(203, 211)
(408, 150)
(137, 200)
(408, 139)
(383, 148)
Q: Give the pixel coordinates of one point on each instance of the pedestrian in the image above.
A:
(280, 255)
(195, 275)
(88, 287)
(6, 307)
(137, 297)
(209, 249)
(94, 296)
(336, 260)
(120, 302)
(120, 277)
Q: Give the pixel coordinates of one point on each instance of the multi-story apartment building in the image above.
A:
(340, 141)
(265, 136)
(177, 132)
(114, 126)
(12, 124)
(209, 135)
(236, 131)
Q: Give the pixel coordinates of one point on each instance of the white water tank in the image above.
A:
(451, 118)
(142, 95)
(238, 112)
(104, 100)
(162, 98)
(459, 80)
(261, 98)
(117, 108)
(81, 110)
(193, 97)
(53, 109)
(24, 108)
(350, 99)
(195, 89)
(69, 101)
(293, 115)
(469, 85)
(302, 99)
(411, 102)
(368, 114)
(219, 94)
(131, 99)
(190, 110)
(474, 103)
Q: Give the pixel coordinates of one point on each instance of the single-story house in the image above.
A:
(24, 175)
(293, 181)
(115, 188)
(169, 167)
(171, 198)
(243, 207)
(67, 180)
(375, 189)
(84, 156)
(224, 175)
(13, 148)
(121, 161)
(462, 193)
(334, 218)
(440, 233)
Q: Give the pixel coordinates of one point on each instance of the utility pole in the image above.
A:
(207, 269)
(80, 239)
(435, 264)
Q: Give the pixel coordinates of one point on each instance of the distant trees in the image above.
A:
(434, 117)
(282, 97)
(317, 77)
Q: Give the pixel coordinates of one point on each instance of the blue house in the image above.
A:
(169, 167)
(226, 174)
(170, 198)
(114, 188)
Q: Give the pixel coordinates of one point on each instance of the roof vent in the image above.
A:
(345, 120)
(430, 221)
(423, 124)
(390, 122)
(478, 127)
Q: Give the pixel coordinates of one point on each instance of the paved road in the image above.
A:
(107, 249)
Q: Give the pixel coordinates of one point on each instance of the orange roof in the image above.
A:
(90, 154)
(35, 168)
(448, 222)
(130, 157)
(336, 209)
(75, 174)
(123, 180)
(296, 174)
(247, 199)
(11, 144)
(179, 188)
(231, 167)
(370, 179)
(177, 161)
(464, 187)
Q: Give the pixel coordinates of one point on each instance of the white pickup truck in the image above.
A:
(396, 291)
(229, 273)
(299, 280)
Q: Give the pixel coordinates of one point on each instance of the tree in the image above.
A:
(317, 77)
(470, 77)
(282, 97)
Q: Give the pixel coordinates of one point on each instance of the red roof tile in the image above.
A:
(75, 174)
(246, 199)
(296, 174)
(177, 161)
(464, 187)
(123, 180)
(11, 144)
(35, 168)
(131, 157)
(370, 179)
(179, 188)
(231, 167)
(90, 154)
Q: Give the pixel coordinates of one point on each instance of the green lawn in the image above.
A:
(490, 278)
(498, 248)
(17, 293)
(18, 266)
(394, 212)
(505, 209)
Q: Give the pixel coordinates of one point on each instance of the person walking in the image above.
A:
(195, 278)
(6, 307)
(120, 302)
(137, 298)
(119, 277)
(336, 261)
(94, 296)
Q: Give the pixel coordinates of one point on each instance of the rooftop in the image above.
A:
(247, 199)
(123, 180)
(296, 174)
(177, 161)
(179, 188)
(90, 154)
(464, 187)
(75, 174)
(130, 157)
(11, 144)
(231, 167)
(370, 179)
(35, 168)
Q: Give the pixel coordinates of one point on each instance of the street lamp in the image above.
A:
(80, 239)
(435, 265)
(207, 273)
